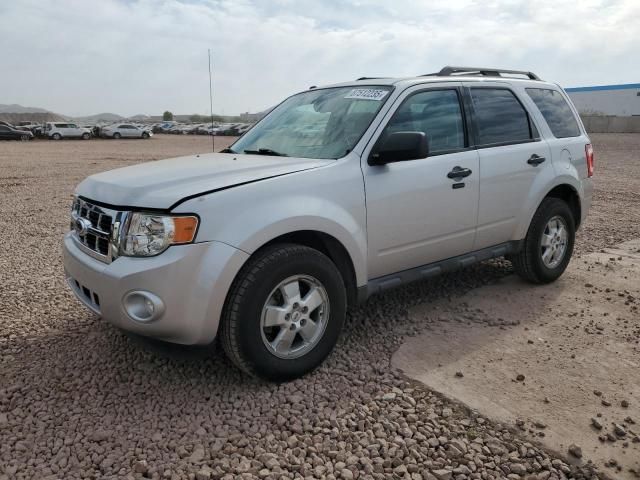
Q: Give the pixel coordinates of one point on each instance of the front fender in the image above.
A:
(329, 200)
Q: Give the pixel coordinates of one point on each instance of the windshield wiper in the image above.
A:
(227, 150)
(266, 151)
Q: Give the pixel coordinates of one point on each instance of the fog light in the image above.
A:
(143, 306)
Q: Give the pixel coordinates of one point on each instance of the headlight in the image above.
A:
(150, 234)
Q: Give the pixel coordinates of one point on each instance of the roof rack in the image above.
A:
(369, 78)
(484, 72)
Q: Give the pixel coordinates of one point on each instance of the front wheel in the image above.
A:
(116, 135)
(56, 136)
(284, 312)
(548, 246)
(25, 138)
(86, 136)
(145, 135)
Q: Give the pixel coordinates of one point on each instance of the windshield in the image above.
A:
(325, 123)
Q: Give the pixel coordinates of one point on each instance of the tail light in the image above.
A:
(588, 150)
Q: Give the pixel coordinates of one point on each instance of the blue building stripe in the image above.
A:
(624, 86)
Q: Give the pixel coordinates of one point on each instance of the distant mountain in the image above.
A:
(15, 108)
(99, 117)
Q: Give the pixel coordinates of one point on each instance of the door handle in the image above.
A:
(535, 160)
(459, 172)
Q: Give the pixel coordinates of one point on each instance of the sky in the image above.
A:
(81, 57)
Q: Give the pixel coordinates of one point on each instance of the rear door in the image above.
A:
(5, 132)
(513, 157)
(416, 213)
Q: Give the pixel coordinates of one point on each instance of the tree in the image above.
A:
(167, 116)
(195, 118)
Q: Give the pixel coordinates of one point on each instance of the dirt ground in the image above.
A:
(80, 399)
(560, 361)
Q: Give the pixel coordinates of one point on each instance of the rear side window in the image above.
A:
(500, 117)
(437, 113)
(556, 112)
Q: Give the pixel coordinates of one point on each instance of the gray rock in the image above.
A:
(575, 451)
(442, 474)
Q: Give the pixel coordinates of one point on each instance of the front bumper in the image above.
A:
(192, 281)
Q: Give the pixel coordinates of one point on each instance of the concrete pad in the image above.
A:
(569, 339)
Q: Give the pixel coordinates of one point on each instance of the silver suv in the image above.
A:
(339, 193)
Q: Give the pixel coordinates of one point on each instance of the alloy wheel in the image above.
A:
(554, 241)
(294, 316)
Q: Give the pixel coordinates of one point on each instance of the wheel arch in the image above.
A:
(329, 246)
(566, 189)
(570, 195)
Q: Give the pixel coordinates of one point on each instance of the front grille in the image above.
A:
(92, 227)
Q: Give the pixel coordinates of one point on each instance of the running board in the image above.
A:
(429, 270)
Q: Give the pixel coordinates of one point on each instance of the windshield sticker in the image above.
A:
(367, 94)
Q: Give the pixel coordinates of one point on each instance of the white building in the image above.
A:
(619, 100)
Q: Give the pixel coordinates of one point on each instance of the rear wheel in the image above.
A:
(284, 312)
(116, 135)
(548, 246)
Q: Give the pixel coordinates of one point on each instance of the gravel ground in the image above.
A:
(80, 399)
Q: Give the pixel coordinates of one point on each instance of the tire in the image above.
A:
(24, 138)
(56, 136)
(245, 339)
(86, 136)
(529, 262)
(116, 135)
(145, 135)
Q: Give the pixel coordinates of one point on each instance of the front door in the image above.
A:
(417, 213)
(72, 130)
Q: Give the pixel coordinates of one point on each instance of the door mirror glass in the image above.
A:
(399, 147)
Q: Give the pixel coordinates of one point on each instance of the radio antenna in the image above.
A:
(213, 137)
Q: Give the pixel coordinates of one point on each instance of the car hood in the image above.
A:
(162, 184)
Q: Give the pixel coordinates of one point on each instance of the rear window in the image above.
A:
(556, 112)
(500, 117)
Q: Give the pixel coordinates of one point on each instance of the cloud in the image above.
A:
(145, 56)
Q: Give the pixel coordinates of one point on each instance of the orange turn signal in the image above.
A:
(184, 229)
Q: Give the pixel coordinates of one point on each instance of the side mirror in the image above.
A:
(399, 147)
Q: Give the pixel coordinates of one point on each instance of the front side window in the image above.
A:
(323, 123)
(500, 117)
(556, 112)
(437, 113)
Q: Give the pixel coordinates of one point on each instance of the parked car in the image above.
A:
(60, 130)
(242, 129)
(34, 128)
(125, 130)
(265, 245)
(11, 133)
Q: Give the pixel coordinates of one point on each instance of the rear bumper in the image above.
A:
(587, 195)
(191, 280)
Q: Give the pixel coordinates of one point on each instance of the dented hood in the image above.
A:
(164, 183)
